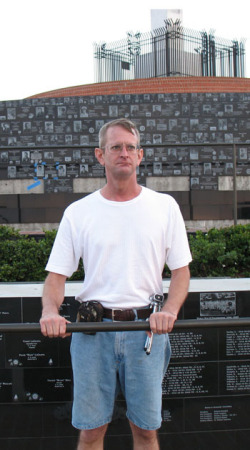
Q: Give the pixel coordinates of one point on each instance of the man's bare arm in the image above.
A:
(163, 322)
(52, 324)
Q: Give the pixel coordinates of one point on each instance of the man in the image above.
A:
(125, 234)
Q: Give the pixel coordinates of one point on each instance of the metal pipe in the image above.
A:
(235, 185)
(126, 326)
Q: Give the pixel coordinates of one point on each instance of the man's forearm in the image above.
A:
(53, 293)
(52, 324)
(178, 290)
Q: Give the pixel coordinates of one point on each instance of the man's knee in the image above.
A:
(141, 434)
(92, 436)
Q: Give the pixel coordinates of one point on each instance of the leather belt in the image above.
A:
(123, 315)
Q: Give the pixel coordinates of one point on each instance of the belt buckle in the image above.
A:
(113, 311)
(117, 311)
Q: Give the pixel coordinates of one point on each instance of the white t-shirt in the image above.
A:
(124, 246)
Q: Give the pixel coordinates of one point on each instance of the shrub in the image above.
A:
(221, 252)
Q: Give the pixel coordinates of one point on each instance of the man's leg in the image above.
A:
(92, 439)
(144, 439)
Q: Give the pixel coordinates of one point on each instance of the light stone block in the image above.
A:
(168, 184)
(226, 183)
(20, 187)
(87, 185)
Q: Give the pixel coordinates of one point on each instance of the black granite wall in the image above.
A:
(206, 392)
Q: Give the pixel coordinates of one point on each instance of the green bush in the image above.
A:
(23, 258)
(221, 252)
(218, 253)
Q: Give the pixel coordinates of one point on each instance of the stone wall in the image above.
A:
(47, 147)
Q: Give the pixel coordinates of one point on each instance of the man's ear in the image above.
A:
(99, 156)
(140, 156)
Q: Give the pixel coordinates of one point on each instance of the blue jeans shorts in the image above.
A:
(102, 361)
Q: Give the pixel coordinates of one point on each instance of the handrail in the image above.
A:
(126, 326)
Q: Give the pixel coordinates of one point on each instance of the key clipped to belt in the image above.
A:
(156, 304)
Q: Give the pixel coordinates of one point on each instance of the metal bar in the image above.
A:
(235, 206)
(126, 326)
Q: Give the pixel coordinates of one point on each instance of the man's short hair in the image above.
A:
(124, 123)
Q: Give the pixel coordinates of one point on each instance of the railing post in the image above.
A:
(234, 185)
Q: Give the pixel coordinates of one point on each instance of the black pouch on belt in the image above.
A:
(91, 311)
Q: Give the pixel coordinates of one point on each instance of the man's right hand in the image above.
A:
(53, 325)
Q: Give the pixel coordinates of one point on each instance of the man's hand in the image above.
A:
(53, 325)
(162, 322)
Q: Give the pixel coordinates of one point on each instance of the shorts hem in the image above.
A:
(144, 427)
(91, 427)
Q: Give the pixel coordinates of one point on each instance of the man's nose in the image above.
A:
(124, 151)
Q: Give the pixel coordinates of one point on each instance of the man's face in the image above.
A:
(120, 164)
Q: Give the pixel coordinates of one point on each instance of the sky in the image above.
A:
(48, 44)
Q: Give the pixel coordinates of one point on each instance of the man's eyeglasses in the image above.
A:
(131, 149)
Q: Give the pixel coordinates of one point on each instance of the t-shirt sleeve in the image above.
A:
(178, 253)
(63, 259)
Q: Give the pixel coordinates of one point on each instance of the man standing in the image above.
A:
(125, 234)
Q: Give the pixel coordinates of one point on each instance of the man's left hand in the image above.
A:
(162, 322)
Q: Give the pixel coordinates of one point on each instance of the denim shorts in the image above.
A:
(106, 360)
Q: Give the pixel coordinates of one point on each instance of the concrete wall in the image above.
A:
(188, 128)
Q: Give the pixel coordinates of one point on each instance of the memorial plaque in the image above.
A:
(15, 157)
(31, 308)
(183, 154)
(83, 170)
(26, 172)
(35, 156)
(234, 344)
(243, 169)
(2, 351)
(57, 420)
(194, 345)
(172, 416)
(4, 157)
(55, 385)
(97, 170)
(3, 174)
(10, 310)
(30, 350)
(196, 169)
(69, 308)
(87, 155)
(216, 304)
(64, 352)
(213, 414)
(48, 156)
(6, 384)
(243, 304)
(218, 168)
(42, 139)
(20, 421)
(161, 154)
(73, 170)
(234, 377)
(55, 185)
(193, 379)
(191, 307)
(61, 154)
